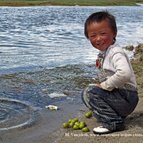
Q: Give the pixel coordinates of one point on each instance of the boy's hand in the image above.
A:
(98, 85)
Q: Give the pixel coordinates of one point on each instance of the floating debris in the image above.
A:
(52, 107)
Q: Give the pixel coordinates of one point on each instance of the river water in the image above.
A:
(46, 59)
(46, 37)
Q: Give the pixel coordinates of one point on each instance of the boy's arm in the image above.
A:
(122, 74)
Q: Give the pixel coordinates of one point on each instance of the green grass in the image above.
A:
(69, 2)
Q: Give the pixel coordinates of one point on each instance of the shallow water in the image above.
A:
(24, 95)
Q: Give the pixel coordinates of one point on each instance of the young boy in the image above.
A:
(115, 96)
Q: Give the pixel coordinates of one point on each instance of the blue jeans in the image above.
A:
(110, 107)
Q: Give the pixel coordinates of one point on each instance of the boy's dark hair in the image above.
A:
(98, 17)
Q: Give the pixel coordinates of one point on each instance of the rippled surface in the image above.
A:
(47, 37)
(15, 114)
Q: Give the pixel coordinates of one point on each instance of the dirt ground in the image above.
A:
(133, 132)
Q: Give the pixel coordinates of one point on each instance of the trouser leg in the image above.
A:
(110, 108)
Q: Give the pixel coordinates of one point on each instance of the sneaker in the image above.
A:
(101, 130)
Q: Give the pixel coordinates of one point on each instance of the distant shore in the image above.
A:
(70, 2)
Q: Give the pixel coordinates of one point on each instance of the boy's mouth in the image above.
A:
(98, 44)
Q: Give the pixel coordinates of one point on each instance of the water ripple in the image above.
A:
(15, 114)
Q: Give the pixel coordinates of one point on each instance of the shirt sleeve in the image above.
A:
(122, 74)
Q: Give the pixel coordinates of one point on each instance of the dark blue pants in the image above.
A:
(110, 107)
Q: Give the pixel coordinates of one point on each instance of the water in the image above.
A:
(44, 53)
(47, 37)
(15, 114)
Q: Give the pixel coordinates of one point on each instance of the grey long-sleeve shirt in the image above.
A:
(118, 63)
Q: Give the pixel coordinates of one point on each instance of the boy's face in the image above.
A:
(100, 35)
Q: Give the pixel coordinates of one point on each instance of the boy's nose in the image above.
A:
(98, 38)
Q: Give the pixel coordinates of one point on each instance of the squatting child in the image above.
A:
(115, 96)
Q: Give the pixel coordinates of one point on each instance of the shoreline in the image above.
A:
(69, 80)
(70, 3)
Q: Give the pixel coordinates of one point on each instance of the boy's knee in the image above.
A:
(90, 91)
(89, 94)
(86, 97)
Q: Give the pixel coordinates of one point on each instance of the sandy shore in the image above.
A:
(134, 127)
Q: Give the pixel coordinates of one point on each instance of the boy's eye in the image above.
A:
(92, 36)
(103, 33)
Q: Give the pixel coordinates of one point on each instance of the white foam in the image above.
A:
(54, 94)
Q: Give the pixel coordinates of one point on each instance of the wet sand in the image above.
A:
(47, 128)
(133, 132)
